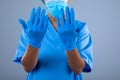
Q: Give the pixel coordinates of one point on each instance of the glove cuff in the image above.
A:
(35, 44)
(71, 46)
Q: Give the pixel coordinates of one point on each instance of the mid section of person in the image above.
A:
(53, 45)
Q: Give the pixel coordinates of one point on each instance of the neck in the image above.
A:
(53, 21)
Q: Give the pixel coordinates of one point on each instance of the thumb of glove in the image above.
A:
(23, 23)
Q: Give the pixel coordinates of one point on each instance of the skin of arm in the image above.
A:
(75, 61)
(30, 58)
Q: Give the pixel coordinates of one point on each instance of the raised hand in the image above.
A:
(35, 29)
(66, 28)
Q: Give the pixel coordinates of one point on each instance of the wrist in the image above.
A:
(71, 51)
(33, 48)
(35, 44)
(71, 46)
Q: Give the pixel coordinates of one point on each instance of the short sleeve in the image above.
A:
(84, 45)
(22, 45)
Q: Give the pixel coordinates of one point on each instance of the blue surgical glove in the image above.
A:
(66, 29)
(35, 29)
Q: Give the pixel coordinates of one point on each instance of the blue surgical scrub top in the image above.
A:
(52, 59)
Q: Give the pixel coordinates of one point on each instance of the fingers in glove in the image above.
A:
(32, 15)
(41, 22)
(72, 16)
(37, 16)
(62, 16)
(67, 15)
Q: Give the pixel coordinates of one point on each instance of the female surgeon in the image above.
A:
(53, 45)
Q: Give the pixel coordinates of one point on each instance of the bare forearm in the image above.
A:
(30, 58)
(75, 61)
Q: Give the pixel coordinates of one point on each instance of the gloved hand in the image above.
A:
(35, 28)
(66, 29)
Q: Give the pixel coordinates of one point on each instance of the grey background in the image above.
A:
(102, 17)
